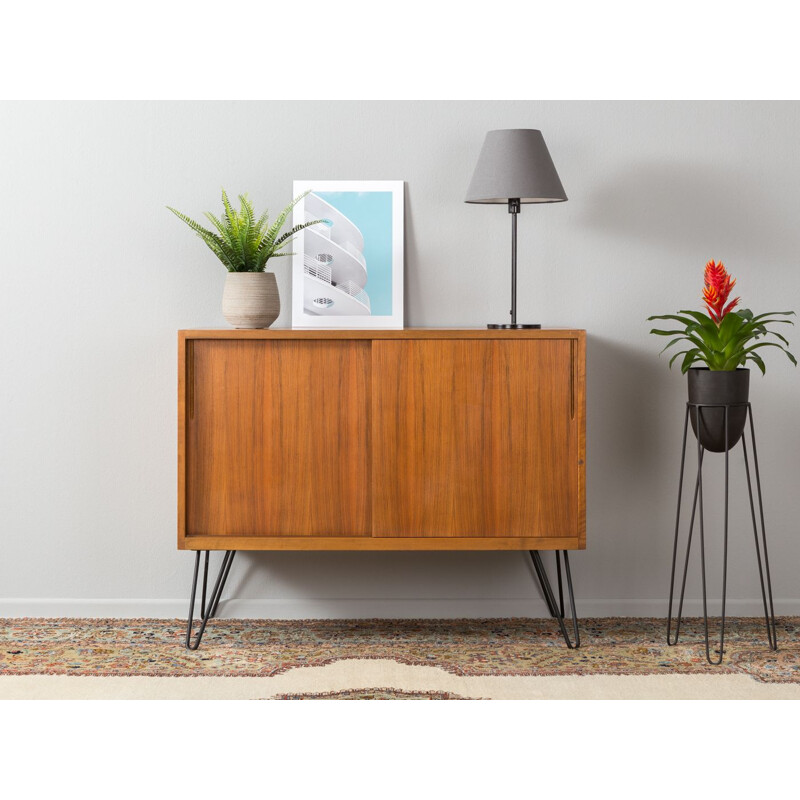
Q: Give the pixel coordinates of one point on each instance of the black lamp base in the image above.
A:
(515, 327)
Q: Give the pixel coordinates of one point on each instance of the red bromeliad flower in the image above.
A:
(722, 341)
(717, 289)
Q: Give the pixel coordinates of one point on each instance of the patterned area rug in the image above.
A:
(373, 694)
(466, 648)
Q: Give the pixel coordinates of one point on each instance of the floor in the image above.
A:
(392, 659)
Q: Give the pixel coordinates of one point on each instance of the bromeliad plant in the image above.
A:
(242, 242)
(723, 339)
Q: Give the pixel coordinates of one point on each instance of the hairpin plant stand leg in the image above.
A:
(697, 513)
(557, 611)
(209, 610)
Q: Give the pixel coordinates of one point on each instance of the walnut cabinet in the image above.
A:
(415, 439)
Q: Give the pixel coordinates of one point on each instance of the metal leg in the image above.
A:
(205, 583)
(206, 611)
(556, 611)
(766, 587)
(724, 557)
(688, 541)
(769, 613)
(686, 560)
(227, 569)
(540, 574)
(675, 544)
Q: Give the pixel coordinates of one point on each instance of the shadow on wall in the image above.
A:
(382, 576)
(635, 413)
(697, 205)
(630, 403)
(412, 297)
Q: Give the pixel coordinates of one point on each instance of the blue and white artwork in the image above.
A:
(348, 268)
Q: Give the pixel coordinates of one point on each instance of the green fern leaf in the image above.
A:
(283, 240)
(214, 242)
(273, 232)
(230, 215)
(241, 242)
(224, 231)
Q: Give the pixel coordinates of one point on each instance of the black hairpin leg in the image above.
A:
(766, 589)
(689, 540)
(769, 612)
(557, 611)
(206, 611)
(721, 649)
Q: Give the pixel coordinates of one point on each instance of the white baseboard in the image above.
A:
(361, 608)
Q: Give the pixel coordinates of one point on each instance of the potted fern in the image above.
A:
(724, 341)
(244, 245)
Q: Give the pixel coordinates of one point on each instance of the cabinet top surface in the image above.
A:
(381, 333)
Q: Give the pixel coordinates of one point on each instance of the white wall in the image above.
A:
(97, 277)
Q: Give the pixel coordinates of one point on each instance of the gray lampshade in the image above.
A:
(515, 164)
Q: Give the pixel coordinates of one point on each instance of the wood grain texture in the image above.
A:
(183, 346)
(402, 333)
(475, 438)
(249, 399)
(579, 372)
(405, 543)
(278, 443)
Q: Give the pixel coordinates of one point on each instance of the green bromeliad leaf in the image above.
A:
(758, 361)
(727, 345)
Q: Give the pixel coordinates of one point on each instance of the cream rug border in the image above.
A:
(385, 673)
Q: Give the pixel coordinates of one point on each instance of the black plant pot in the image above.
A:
(718, 387)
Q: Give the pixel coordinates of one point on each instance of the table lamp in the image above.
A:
(515, 167)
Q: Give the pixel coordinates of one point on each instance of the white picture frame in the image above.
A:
(333, 263)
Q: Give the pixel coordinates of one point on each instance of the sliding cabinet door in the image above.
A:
(475, 437)
(277, 438)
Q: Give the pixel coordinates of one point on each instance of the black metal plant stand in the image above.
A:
(766, 588)
(557, 611)
(208, 610)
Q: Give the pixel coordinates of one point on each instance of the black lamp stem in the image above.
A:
(513, 209)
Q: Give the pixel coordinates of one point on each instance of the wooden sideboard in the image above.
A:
(415, 439)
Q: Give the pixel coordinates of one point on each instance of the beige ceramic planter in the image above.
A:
(250, 299)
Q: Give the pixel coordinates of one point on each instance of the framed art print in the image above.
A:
(347, 270)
